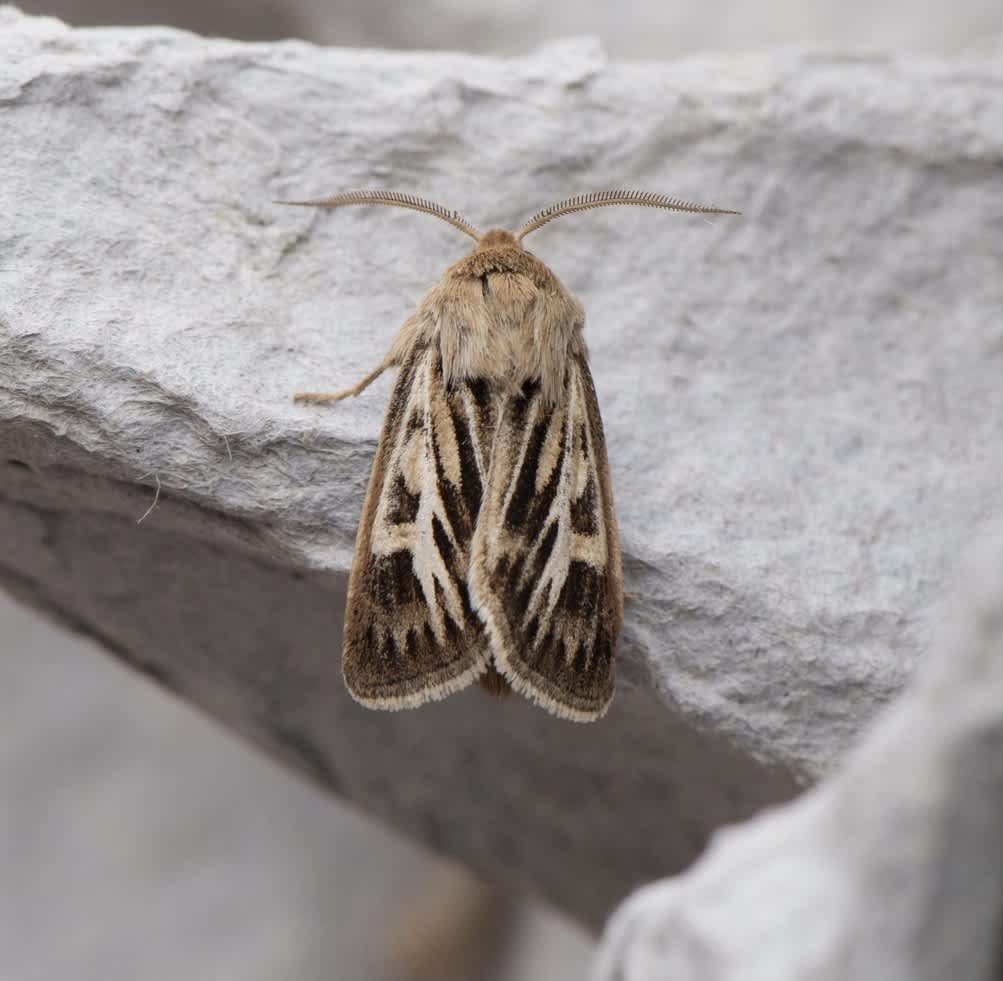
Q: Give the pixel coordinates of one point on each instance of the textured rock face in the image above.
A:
(892, 870)
(802, 404)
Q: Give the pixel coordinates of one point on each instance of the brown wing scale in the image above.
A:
(410, 633)
(545, 574)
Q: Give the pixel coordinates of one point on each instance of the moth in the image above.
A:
(488, 546)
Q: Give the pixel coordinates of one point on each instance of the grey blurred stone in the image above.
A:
(891, 870)
(642, 29)
(802, 404)
(138, 839)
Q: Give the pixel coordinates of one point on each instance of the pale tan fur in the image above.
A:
(529, 330)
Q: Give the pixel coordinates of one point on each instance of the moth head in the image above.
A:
(499, 237)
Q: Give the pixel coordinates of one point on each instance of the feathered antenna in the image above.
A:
(603, 199)
(395, 198)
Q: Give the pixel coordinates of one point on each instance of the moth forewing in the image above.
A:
(545, 574)
(410, 635)
(488, 548)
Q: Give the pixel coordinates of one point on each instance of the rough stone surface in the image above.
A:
(891, 870)
(802, 404)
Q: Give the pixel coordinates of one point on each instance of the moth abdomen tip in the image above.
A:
(494, 683)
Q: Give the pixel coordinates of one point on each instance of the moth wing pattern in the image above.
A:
(410, 633)
(546, 571)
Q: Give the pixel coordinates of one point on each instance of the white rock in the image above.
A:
(802, 404)
(891, 870)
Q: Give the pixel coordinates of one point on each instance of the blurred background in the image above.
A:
(647, 29)
(140, 841)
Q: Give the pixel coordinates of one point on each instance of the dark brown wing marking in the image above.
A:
(410, 634)
(545, 573)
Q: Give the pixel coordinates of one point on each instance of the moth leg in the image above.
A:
(322, 398)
